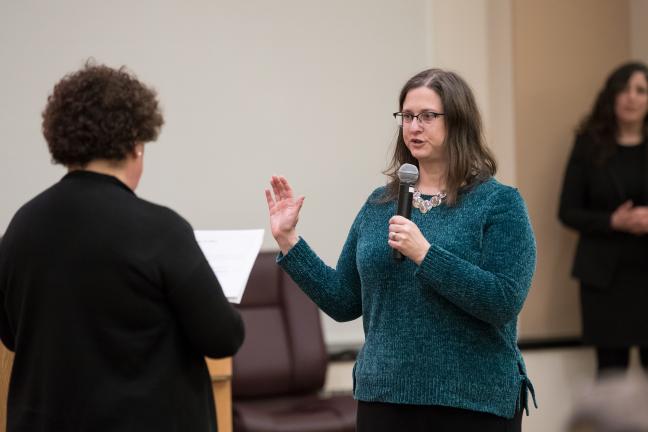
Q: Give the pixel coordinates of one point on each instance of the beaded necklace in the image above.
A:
(425, 205)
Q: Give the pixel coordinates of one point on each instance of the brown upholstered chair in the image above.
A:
(279, 371)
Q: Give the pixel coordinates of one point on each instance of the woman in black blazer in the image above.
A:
(605, 198)
(107, 299)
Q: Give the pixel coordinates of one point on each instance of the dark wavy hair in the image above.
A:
(99, 113)
(469, 160)
(601, 123)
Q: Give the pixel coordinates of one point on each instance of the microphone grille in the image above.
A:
(408, 173)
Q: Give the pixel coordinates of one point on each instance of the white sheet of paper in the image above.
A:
(231, 254)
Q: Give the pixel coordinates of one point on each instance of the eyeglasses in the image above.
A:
(424, 118)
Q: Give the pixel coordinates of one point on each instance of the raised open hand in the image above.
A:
(284, 212)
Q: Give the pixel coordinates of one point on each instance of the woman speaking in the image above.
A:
(440, 348)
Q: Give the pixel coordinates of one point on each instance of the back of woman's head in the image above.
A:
(601, 123)
(468, 159)
(99, 113)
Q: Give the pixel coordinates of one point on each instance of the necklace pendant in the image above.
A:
(426, 205)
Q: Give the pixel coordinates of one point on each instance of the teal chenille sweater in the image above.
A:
(444, 332)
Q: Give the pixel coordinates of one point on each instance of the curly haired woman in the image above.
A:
(107, 300)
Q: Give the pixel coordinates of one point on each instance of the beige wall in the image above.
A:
(473, 38)
(535, 67)
(249, 89)
(562, 52)
(501, 126)
(639, 30)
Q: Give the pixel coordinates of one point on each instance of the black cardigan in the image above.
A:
(110, 307)
(590, 194)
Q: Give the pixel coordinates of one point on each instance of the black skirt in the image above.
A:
(616, 316)
(388, 417)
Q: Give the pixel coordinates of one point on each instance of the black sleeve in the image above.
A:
(6, 335)
(574, 210)
(211, 324)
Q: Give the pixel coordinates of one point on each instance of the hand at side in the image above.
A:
(630, 218)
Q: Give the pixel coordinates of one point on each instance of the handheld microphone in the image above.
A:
(407, 175)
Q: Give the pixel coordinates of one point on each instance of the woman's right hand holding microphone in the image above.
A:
(284, 213)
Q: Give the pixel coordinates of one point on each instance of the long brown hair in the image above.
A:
(601, 123)
(469, 160)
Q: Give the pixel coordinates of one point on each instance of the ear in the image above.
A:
(138, 150)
